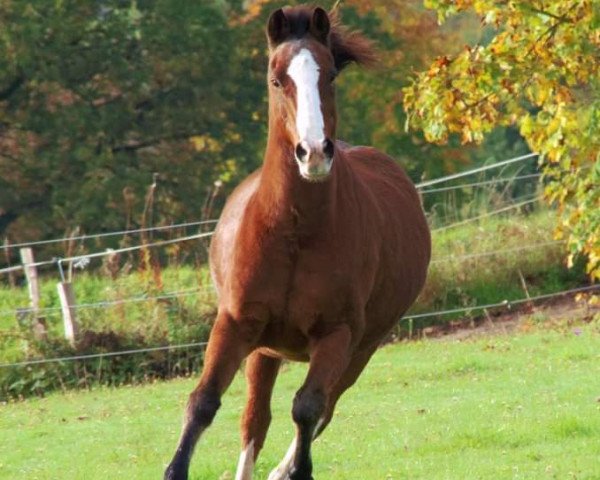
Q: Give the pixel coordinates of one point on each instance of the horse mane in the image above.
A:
(347, 46)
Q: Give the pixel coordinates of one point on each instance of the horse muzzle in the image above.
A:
(315, 160)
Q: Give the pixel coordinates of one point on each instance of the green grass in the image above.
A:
(481, 280)
(506, 407)
(97, 287)
(147, 319)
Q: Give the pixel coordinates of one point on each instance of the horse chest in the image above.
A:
(295, 279)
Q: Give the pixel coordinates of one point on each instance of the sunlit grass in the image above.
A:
(526, 262)
(505, 407)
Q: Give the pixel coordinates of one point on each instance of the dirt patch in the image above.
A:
(566, 310)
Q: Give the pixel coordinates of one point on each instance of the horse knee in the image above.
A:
(308, 407)
(203, 406)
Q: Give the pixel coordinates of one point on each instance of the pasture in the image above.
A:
(521, 405)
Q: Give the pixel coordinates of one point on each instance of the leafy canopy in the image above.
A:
(95, 97)
(540, 73)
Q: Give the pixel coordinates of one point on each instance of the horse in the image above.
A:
(316, 256)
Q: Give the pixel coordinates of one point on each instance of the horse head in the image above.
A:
(308, 48)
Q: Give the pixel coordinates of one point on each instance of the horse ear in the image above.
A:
(278, 28)
(320, 25)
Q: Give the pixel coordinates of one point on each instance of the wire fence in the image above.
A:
(102, 355)
(488, 214)
(193, 291)
(59, 261)
(503, 304)
(473, 171)
(111, 303)
(483, 183)
(108, 234)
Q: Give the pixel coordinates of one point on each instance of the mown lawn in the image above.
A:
(517, 406)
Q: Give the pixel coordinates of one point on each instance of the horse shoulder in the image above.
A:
(226, 231)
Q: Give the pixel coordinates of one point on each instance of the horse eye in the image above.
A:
(332, 76)
(276, 83)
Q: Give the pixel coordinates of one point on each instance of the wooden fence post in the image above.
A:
(32, 279)
(11, 275)
(67, 304)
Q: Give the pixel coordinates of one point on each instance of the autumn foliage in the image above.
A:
(540, 73)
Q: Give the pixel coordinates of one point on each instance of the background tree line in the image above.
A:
(97, 97)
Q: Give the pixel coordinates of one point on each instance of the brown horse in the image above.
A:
(316, 257)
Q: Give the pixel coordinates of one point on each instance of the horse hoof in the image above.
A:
(299, 475)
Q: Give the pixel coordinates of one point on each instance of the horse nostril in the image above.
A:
(301, 153)
(328, 148)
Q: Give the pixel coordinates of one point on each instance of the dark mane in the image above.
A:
(347, 46)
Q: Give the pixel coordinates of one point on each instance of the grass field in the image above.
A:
(524, 405)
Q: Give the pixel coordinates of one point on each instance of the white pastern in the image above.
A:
(283, 469)
(317, 428)
(246, 463)
(304, 71)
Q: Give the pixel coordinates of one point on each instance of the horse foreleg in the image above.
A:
(261, 372)
(355, 367)
(227, 347)
(351, 373)
(329, 358)
(282, 470)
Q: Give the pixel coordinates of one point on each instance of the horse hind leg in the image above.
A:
(226, 349)
(261, 373)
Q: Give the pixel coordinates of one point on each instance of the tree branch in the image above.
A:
(548, 14)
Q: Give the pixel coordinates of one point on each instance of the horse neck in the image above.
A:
(283, 194)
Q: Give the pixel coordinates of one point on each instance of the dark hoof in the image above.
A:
(174, 473)
(300, 475)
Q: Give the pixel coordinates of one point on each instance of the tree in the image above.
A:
(95, 97)
(540, 73)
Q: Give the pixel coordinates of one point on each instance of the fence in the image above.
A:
(69, 307)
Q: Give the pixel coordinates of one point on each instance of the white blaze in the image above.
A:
(304, 71)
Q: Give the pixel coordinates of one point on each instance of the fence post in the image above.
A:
(11, 275)
(67, 304)
(32, 279)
